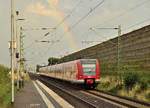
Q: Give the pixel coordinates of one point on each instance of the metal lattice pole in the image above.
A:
(17, 52)
(21, 53)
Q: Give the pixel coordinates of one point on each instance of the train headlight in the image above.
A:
(80, 76)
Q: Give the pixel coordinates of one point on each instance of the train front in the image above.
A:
(89, 71)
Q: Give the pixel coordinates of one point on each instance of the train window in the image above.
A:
(89, 69)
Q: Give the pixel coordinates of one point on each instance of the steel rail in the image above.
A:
(129, 102)
(69, 93)
(118, 100)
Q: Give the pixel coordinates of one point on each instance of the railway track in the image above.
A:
(118, 99)
(92, 98)
(87, 101)
(65, 93)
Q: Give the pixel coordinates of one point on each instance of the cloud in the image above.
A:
(58, 15)
(40, 9)
(53, 2)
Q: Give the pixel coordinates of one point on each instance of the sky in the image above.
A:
(72, 20)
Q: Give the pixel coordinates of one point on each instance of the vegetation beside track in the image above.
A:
(5, 87)
(133, 83)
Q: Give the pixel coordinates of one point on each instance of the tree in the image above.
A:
(53, 60)
(37, 68)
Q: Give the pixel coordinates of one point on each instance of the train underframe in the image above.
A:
(90, 83)
(87, 83)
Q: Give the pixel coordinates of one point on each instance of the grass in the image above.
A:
(5, 87)
(109, 84)
(110, 78)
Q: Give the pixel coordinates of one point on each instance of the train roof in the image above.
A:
(88, 59)
(82, 61)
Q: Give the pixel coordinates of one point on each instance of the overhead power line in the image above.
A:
(137, 23)
(30, 29)
(122, 29)
(44, 52)
(91, 10)
(69, 15)
(88, 41)
(81, 19)
(61, 22)
(66, 17)
(125, 12)
(101, 36)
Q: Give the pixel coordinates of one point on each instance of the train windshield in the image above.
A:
(89, 69)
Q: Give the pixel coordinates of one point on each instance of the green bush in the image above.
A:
(105, 84)
(113, 90)
(143, 85)
(5, 86)
(130, 79)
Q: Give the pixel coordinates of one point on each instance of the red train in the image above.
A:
(82, 71)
